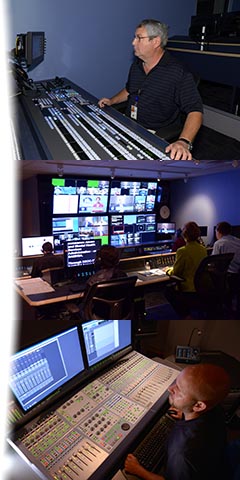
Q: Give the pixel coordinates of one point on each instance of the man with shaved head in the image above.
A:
(196, 444)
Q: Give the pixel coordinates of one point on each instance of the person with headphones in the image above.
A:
(106, 265)
(48, 260)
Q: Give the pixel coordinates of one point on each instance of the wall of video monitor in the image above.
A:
(116, 211)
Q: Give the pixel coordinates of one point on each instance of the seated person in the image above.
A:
(186, 263)
(107, 266)
(227, 243)
(179, 240)
(196, 445)
(48, 260)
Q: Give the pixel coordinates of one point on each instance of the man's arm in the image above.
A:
(179, 150)
(133, 466)
(120, 97)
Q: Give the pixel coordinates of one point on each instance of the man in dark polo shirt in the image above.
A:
(48, 260)
(160, 92)
(196, 445)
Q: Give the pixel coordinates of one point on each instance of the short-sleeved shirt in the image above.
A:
(167, 91)
(229, 244)
(196, 448)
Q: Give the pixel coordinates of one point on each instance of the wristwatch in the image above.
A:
(189, 144)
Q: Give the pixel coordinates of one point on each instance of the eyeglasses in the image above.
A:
(138, 37)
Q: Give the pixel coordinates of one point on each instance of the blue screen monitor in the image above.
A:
(130, 196)
(103, 338)
(40, 370)
(132, 229)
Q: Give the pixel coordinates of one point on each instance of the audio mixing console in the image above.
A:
(68, 124)
(80, 438)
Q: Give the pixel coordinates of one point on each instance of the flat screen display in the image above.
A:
(33, 245)
(80, 253)
(38, 371)
(132, 229)
(131, 196)
(73, 196)
(82, 227)
(166, 228)
(103, 338)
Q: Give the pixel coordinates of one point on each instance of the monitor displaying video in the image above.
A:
(132, 196)
(166, 228)
(74, 196)
(132, 229)
(82, 227)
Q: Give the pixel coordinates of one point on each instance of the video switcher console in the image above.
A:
(68, 124)
(87, 436)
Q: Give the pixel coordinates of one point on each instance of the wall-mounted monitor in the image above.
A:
(82, 227)
(132, 196)
(33, 245)
(132, 229)
(76, 196)
(166, 228)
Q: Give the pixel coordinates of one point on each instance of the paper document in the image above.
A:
(153, 271)
(34, 285)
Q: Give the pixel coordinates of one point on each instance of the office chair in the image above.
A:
(113, 299)
(210, 281)
(53, 275)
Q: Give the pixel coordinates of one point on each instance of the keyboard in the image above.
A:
(151, 451)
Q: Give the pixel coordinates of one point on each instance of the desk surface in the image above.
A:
(64, 293)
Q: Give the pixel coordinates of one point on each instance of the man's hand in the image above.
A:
(104, 101)
(132, 464)
(178, 151)
(175, 413)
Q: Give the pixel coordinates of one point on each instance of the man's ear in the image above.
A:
(199, 406)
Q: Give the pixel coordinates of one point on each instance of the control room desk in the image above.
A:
(64, 293)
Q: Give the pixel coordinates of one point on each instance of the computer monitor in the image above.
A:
(33, 245)
(34, 48)
(132, 229)
(132, 196)
(40, 370)
(79, 256)
(82, 227)
(203, 230)
(103, 338)
(80, 196)
(166, 228)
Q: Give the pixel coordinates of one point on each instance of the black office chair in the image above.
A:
(53, 275)
(211, 298)
(113, 299)
(212, 291)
